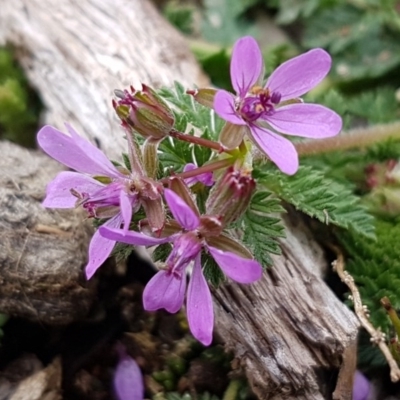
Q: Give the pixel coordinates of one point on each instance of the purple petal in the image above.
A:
(164, 291)
(200, 313)
(246, 65)
(206, 179)
(181, 211)
(125, 205)
(361, 387)
(224, 106)
(58, 191)
(280, 150)
(242, 270)
(131, 237)
(100, 247)
(307, 120)
(75, 152)
(128, 380)
(300, 74)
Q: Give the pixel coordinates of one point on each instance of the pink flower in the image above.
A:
(113, 196)
(276, 107)
(168, 287)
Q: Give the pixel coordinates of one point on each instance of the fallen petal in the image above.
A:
(164, 291)
(246, 65)
(361, 386)
(306, 120)
(239, 269)
(200, 313)
(300, 74)
(58, 191)
(280, 150)
(128, 379)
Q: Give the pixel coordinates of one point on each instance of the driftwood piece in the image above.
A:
(288, 330)
(76, 53)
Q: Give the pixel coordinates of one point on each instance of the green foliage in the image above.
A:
(179, 15)
(311, 192)
(262, 226)
(211, 270)
(187, 110)
(375, 266)
(223, 21)
(161, 252)
(19, 108)
(174, 153)
(362, 36)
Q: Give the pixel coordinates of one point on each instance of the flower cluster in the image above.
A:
(167, 208)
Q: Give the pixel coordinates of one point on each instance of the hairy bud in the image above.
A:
(231, 195)
(145, 112)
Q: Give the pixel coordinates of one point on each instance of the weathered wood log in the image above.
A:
(289, 330)
(42, 252)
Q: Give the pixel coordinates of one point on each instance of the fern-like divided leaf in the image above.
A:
(311, 192)
(261, 228)
(189, 116)
(197, 115)
(375, 267)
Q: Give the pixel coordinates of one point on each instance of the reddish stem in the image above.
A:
(197, 140)
(201, 170)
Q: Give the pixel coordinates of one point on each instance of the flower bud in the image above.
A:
(231, 195)
(145, 112)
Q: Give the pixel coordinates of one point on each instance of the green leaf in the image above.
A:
(196, 114)
(311, 192)
(375, 267)
(223, 23)
(174, 154)
(179, 15)
(211, 270)
(364, 44)
(262, 228)
(161, 252)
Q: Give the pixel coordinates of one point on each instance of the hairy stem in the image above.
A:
(377, 336)
(205, 168)
(197, 140)
(356, 138)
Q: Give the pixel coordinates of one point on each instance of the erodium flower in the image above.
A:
(262, 111)
(104, 191)
(191, 234)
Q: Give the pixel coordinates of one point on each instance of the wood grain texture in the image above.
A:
(75, 53)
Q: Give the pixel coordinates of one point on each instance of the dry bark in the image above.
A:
(288, 330)
(42, 252)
